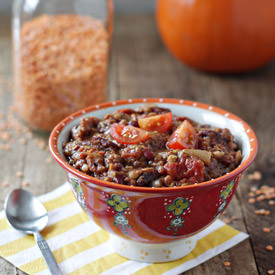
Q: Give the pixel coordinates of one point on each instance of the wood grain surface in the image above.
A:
(141, 67)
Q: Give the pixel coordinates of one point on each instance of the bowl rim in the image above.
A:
(53, 141)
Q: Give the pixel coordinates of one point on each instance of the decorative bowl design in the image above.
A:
(153, 220)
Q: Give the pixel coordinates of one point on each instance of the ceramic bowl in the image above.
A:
(154, 220)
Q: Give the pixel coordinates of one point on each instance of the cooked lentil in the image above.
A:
(92, 149)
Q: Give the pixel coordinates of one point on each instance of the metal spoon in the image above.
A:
(26, 213)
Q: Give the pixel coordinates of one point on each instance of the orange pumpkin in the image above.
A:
(218, 35)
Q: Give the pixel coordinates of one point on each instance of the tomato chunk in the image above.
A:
(184, 137)
(125, 111)
(190, 168)
(159, 123)
(128, 134)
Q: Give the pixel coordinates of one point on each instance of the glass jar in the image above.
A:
(60, 53)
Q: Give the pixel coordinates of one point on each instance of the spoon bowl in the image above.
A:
(26, 213)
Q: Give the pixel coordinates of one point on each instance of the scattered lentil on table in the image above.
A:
(4, 184)
(262, 212)
(269, 247)
(25, 183)
(226, 220)
(255, 176)
(19, 174)
(266, 229)
(263, 193)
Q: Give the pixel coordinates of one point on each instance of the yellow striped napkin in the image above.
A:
(81, 247)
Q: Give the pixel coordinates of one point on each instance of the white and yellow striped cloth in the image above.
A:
(81, 247)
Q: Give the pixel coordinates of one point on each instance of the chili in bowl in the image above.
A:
(153, 171)
(151, 147)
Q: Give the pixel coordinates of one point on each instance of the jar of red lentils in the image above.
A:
(61, 50)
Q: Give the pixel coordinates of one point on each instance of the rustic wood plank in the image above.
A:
(5, 45)
(144, 67)
(113, 85)
(254, 101)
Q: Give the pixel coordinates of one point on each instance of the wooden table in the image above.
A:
(141, 67)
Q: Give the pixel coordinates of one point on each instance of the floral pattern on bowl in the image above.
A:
(156, 215)
(119, 205)
(178, 208)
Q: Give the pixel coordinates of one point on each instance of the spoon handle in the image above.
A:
(47, 254)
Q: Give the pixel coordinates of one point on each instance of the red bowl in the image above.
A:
(156, 215)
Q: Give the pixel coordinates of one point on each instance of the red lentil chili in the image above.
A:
(151, 147)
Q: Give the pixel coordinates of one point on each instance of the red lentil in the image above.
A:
(259, 192)
(262, 212)
(22, 141)
(260, 198)
(251, 200)
(5, 147)
(19, 174)
(63, 69)
(226, 220)
(266, 229)
(25, 183)
(4, 184)
(49, 159)
(269, 247)
(5, 136)
(255, 176)
(41, 143)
